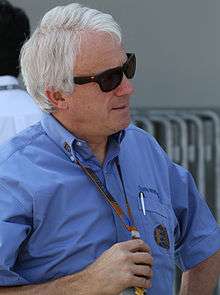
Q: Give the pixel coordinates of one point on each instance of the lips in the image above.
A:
(120, 107)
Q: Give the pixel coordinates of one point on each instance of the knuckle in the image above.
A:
(149, 273)
(141, 242)
(147, 283)
(138, 242)
(148, 249)
(144, 283)
(146, 246)
(150, 259)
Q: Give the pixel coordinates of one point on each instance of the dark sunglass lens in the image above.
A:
(130, 67)
(111, 79)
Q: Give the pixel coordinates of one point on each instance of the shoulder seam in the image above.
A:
(22, 147)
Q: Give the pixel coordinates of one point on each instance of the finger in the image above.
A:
(141, 282)
(135, 246)
(142, 271)
(142, 258)
(141, 247)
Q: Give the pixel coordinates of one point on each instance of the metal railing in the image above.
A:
(191, 138)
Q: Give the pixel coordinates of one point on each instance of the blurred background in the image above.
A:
(176, 43)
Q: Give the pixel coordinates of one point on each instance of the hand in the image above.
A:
(124, 265)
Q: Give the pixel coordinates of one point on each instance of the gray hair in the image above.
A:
(48, 57)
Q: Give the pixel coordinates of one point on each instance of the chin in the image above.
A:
(126, 121)
(126, 124)
(121, 126)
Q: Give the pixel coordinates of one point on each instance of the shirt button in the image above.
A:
(72, 158)
(79, 143)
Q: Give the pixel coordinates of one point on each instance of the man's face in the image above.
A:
(89, 109)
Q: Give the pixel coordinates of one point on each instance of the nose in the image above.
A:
(125, 88)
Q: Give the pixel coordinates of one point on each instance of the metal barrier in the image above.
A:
(191, 137)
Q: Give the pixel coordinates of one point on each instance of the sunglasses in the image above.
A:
(111, 79)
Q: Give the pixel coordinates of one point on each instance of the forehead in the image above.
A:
(98, 52)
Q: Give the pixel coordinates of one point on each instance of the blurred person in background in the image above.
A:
(17, 109)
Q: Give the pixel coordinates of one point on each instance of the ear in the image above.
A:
(57, 99)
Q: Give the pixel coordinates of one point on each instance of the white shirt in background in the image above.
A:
(17, 109)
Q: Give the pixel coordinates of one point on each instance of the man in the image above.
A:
(17, 108)
(76, 187)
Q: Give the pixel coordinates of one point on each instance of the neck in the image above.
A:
(97, 143)
(98, 147)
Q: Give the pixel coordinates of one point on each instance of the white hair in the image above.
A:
(48, 57)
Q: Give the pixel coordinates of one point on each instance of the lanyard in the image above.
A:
(9, 87)
(128, 222)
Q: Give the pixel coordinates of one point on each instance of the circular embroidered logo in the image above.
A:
(161, 236)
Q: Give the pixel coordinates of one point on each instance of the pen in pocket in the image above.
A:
(141, 196)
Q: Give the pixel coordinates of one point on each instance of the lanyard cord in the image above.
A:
(124, 191)
(135, 234)
(115, 206)
(111, 200)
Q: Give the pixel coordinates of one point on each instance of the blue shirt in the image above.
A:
(54, 222)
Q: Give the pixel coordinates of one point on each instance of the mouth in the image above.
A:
(121, 107)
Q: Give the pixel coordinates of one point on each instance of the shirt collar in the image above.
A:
(59, 134)
(68, 142)
(8, 80)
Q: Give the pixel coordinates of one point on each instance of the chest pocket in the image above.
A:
(156, 224)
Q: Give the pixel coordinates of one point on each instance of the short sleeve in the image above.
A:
(14, 229)
(197, 234)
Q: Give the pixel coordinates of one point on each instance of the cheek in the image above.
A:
(89, 101)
